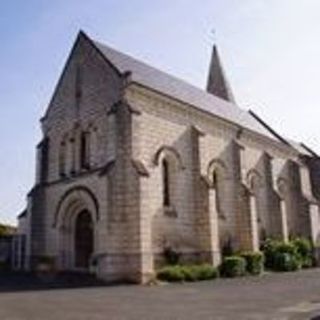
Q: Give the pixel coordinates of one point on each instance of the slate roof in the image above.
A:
(162, 82)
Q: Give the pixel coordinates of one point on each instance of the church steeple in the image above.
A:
(217, 83)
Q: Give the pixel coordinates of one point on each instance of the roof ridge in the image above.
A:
(177, 78)
(269, 128)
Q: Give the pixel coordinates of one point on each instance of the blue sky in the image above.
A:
(269, 48)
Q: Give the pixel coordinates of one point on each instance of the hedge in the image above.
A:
(233, 266)
(170, 274)
(254, 262)
(288, 256)
(304, 251)
(179, 273)
(284, 261)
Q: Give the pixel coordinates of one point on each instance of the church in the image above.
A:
(135, 162)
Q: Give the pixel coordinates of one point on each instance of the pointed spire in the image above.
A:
(217, 83)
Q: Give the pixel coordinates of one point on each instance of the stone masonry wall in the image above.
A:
(87, 90)
(166, 122)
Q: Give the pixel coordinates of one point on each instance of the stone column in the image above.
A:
(315, 229)
(284, 220)
(129, 255)
(254, 223)
(199, 195)
(314, 221)
(214, 229)
(37, 225)
(232, 188)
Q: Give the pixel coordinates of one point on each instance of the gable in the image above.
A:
(88, 85)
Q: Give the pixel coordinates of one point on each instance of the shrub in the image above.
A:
(206, 272)
(187, 273)
(288, 256)
(287, 247)
(201, 272)
(233, 266)
(308, 262)
(284, 261)
(303, 246)
(254, 262)
(269, 249)
(171, 274)
(304, 251)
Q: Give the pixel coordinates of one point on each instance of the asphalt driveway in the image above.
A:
(272, 296)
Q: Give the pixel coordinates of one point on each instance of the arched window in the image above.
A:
(254, 183)
(62, 159)
(72, 158)
(166, 183)
(170, 165)
(85, 150)
(43, 160)
(217, 186)
(94, 147)
(217, 174)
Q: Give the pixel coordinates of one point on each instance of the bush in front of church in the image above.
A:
(254, 262)
(284, 261)
(288, 256)
(233, 266)
(304, 251)
(171, 274)
(200, 272)
(270, 249)
(188, 273)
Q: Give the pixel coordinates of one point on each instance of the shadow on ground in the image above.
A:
(23, 281)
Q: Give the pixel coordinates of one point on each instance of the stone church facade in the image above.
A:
(134, 162)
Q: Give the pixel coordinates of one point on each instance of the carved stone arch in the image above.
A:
(74, 200)
(214, 166)
(171, 152)
(253, 180)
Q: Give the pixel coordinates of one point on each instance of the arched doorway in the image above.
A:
(83, 242)
(76, 223)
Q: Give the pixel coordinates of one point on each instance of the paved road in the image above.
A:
(294, 296)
